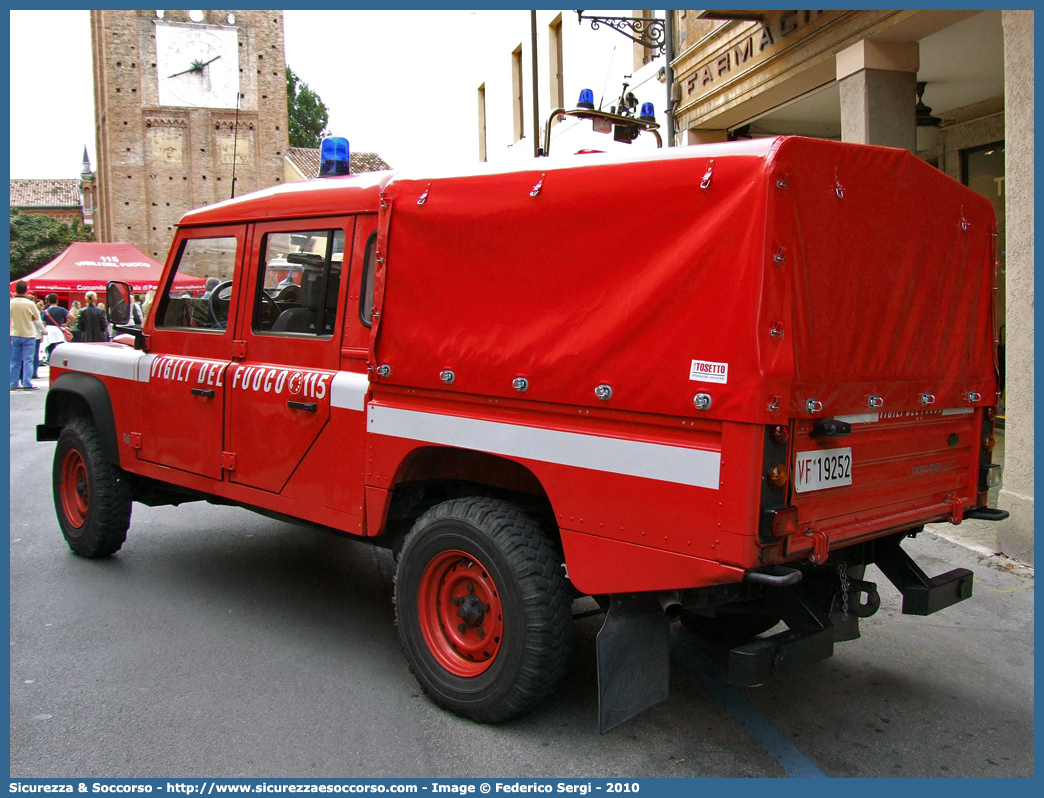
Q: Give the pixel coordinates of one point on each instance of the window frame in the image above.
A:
(369, 275)
(159, 316)
(262, 269)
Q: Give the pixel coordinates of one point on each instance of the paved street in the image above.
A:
(221, 643)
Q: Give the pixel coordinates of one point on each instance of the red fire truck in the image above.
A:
(707, 382)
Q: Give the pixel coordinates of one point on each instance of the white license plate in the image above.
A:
(825, 468)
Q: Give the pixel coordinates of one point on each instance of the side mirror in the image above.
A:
(118, 302)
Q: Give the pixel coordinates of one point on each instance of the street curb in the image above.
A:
(982, 551)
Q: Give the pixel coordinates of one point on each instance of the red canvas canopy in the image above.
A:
(88, 266)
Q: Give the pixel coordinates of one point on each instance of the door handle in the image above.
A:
(207, 393)
(310, 407)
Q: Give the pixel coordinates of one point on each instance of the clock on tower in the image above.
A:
(190, 109)
(197, 65)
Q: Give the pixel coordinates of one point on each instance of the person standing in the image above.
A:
(94, 324)
(146, 306)
(40, 333)
(55, 318)
(24, 318)
(74, 321)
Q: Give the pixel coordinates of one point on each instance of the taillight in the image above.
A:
(775, 476)
(988, 442)
(784, 522)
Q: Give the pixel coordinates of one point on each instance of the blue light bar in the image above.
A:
(647, 114)
(586, 99)
(333, 157)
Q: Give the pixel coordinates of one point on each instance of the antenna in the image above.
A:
(235, 142)
(601, 99)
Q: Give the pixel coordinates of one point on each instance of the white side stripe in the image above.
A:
(631, 458)
(869, 418)
(107, 360)
(348, 390)
(861, 418)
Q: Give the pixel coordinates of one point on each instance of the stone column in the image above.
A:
(1015, 536)
(878, 83)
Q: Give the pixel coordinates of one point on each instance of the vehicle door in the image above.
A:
(182, 398)
(280, 389)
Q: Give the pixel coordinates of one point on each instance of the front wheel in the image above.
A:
(483, 609)
(93, 503)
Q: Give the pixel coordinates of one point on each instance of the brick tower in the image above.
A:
(170, 136)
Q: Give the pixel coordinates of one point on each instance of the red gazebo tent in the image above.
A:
(88, 266)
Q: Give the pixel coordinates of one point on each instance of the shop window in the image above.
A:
(982, 170)
(482, 121)
(518, 115)
(555, 74)
(642, 55)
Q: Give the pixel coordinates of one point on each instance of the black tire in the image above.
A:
(92, 501)
(483, 554)
(728, 628)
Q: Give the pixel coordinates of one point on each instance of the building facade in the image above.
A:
(531, 63)
(190, 109)
(69, 200)
(953, 87)
(302, 163)
(60, 199)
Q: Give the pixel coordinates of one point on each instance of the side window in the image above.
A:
(366, 295)
(200, 292)
(299, 280)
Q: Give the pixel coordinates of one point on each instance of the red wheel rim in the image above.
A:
(74, 491)
(460, 613)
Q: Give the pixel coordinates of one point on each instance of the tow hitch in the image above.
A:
(820, 605)
(825, 607)
(922, 595)
(809, 638)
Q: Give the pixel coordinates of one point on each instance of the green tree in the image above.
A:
(307, 111)
(36, 240)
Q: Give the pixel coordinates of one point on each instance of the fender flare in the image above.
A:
(92, 391)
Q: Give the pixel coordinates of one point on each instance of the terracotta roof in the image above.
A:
(307, 161)
(45, 193)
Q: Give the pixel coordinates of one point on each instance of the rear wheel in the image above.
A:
(92, 501)
(483, 610)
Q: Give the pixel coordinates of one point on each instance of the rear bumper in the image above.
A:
(810, 635)
(806, 544)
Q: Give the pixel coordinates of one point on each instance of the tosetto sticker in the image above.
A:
(708, 371)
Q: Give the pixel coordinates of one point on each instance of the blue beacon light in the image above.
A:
(586, 99)
(647, 114)
(333, 157)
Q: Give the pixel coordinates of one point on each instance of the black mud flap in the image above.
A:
(809, 638)
(46, 433)
(922, 595)
(633, 651)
